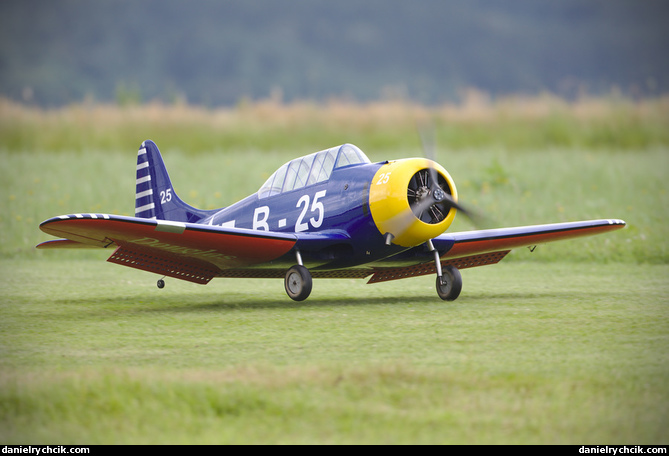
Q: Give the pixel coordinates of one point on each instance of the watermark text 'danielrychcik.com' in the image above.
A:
(622, 449)
(44, 449)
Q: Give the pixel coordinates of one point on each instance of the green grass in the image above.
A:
(562, 353)
(565, 345)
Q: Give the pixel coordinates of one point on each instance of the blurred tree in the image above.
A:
(216, 52)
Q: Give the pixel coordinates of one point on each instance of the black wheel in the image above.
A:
(450, 286)
(161, 283)
(298, 283)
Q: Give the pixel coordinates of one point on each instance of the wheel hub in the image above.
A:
(294, 282)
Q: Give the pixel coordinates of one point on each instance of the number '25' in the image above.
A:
(316, 206)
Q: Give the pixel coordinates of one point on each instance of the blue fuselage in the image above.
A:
(339, 206)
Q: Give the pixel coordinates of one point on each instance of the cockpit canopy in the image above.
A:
(311, 169)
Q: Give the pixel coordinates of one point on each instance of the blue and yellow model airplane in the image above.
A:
(331, 214)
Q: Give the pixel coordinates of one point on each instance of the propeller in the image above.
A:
(433, 195)
(430, 194)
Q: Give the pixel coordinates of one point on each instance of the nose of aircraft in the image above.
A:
(413, 200)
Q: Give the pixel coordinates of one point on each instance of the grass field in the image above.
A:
(566, 353)
(568, 345)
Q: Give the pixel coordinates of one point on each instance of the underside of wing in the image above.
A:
(471, 261)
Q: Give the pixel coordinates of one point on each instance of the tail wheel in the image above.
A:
(298, 283)
(449, 285)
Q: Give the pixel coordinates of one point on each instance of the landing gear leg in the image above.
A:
(449, 280)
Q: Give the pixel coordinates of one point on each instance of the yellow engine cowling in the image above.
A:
(398, 190)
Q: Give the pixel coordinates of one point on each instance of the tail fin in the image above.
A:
(154, 195)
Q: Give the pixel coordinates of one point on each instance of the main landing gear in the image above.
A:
(449, 285)
(298, 281)
(449, 279)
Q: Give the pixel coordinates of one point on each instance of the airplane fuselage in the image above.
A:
(341, 205)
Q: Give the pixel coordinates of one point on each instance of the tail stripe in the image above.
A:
(144, 208)
(143, 194)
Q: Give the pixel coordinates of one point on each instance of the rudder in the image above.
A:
(154, 195)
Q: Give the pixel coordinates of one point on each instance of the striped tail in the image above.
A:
(154, 195)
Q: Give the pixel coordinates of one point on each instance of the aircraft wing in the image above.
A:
(187, 251)
(197, 253)
(485, 241)
(469, 249)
